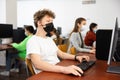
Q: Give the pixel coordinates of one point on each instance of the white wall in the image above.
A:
(103, 12)
(8, 12)
(2, 11)
(11, 12)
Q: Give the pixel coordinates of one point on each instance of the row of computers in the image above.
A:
(7, 32)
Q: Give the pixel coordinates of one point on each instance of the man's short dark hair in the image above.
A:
(29, 28)
(41, 13)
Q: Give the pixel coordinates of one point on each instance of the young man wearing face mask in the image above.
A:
(21, 48)
(76, 39)
(44, 53)
(90, 37)
(49, 27)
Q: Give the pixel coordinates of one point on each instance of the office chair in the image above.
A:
(63, 47)
(73, 50)
(58, 41)
(29, 66)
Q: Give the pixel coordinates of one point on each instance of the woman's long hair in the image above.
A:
(78, 20)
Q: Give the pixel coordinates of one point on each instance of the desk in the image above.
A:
(96, 72)
(4, 47)
(7, 48)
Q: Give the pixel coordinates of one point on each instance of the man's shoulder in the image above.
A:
(32, 38)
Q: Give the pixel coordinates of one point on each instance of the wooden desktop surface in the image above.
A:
(96, 72)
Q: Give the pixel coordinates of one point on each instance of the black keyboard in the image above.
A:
(86, 65)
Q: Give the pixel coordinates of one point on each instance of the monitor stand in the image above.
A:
(114, 69)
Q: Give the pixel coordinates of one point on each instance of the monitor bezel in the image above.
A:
(113, 44)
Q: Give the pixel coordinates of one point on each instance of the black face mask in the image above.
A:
(49, 27)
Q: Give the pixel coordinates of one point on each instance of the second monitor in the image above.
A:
(113, 45)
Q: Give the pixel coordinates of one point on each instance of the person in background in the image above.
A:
(44, 53)
(90, 37)
(21, 48)
(53, 34)
(76, 39)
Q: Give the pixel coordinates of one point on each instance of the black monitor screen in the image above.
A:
(18, 35)
(6, 30)
(103, 40)
(59, 29)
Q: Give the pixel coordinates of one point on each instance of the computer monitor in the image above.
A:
(18, 35)
(59, 30)
(103, 40)
(114, 38)
(6, 30)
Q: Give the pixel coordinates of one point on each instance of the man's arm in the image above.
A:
(64, 55)
(45, 66)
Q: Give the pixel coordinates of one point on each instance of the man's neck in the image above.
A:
(40, 32)
(29, 34)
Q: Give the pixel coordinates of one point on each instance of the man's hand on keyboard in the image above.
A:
(80, 58)
(72, 70)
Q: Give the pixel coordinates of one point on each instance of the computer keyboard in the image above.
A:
(86, 65)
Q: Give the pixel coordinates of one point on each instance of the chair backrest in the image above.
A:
(73, 50)
(63, 47)
(58, 41)
(55, 40)
(29, 65)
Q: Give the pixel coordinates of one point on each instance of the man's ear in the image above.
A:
(39, 23)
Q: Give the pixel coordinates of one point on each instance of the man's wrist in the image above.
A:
(75, 57)
(62, 69)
